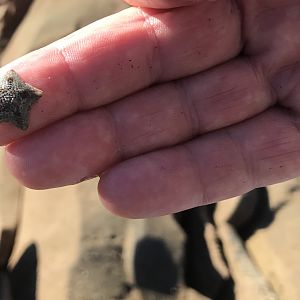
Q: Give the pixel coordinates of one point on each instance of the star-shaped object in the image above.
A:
(16, 99)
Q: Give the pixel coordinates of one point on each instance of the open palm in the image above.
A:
(177, 104)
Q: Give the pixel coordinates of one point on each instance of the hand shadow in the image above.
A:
(23, 276)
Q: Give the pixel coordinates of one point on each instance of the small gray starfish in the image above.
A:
(16, 99)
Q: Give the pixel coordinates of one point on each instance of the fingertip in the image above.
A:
(114, 199)
(19, 168)
(150, 185)
(29, 165)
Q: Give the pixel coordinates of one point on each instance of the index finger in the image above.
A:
(121, 54)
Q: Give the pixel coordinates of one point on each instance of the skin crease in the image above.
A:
(175, 104)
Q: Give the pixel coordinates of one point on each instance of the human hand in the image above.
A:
(174, 108)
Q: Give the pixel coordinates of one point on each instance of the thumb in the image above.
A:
(164, 3)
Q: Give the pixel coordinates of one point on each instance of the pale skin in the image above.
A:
(173, 107)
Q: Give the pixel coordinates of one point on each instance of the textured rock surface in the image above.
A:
(49, 20)
(249, 282)
(152, 256)
(272, 240)
(11, 14)
(276, 249)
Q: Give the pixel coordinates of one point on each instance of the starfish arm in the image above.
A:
(16, 100)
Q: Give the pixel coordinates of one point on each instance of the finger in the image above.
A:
(164, 3)
(122, 54)
(270, 38)
(261, 151)
(86, 144)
